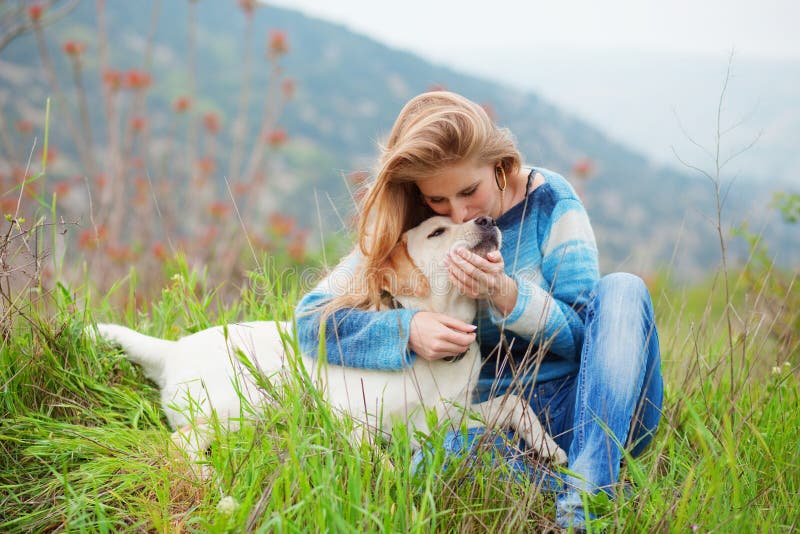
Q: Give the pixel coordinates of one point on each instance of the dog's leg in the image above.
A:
(192, 441)
(149, 352)
(513, 412)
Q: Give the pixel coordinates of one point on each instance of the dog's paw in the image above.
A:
(549, 450)
(190, 443)
(91, 333)
(559, 457)
(99, 332)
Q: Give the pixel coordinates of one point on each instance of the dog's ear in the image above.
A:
(400, 277)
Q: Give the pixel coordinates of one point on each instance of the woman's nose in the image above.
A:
(459, 213)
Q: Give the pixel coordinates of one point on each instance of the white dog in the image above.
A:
(203, 372)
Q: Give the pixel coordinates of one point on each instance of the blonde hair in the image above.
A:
(433, 130)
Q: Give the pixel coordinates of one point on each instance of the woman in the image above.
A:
(583, 349)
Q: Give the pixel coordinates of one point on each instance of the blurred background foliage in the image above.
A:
(223, 130)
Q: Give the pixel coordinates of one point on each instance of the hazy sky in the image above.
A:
(622, 65)
(442, 30)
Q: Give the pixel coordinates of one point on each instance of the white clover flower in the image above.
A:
(227, 505)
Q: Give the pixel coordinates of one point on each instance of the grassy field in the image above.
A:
(86, 448)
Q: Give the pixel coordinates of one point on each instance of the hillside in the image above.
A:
(348, 90)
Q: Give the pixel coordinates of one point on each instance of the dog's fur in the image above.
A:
(202, 372)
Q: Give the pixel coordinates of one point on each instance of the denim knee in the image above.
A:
(624, 303)
(620, 316)
(624, 286)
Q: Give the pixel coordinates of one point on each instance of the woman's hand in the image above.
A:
(483, 278)
(435, 335)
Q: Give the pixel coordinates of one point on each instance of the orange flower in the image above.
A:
(35, 12)
(122, 253)
(248, 6)
(62, 188)
(137, 79)
(112, 79)
(140, 183)
(74, 48)
(583, 168)
(102, 180)
(139, 199)
(52, 154)
(159, 251)
(212, 123)
(276, 137)
(278, 43)
(138, 124)
(89, 239)
(24, 126)
(218, 209)
(182, 104)
(240, 188)
(8, 204)
(206, 165)
(281, 225)
(297, 248)
(288, 88)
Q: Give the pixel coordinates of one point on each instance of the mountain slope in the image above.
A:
(350, 88)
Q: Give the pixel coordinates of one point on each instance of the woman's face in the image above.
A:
(462, 191)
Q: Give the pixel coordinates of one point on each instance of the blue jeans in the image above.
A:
(613, 403)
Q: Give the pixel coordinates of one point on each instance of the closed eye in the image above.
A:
(436, 233)
(465, 193)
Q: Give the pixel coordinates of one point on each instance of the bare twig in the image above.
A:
(240, 124)
(58, 94)
(715, 177)
(19, 28)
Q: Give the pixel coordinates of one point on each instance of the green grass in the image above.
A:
(84, 446)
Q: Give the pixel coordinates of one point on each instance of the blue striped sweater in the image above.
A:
(549, 250)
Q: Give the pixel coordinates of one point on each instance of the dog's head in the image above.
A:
(416, 273)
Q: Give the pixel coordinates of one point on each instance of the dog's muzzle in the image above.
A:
(489, 236)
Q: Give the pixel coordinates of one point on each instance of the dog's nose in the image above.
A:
(485, 222)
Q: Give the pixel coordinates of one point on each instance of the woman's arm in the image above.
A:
(354, 338)
(375, 339)
(551, 296)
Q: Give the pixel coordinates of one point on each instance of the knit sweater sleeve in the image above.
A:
(354, 338)
(552, 295)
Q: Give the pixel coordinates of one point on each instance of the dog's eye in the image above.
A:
(437, 232)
